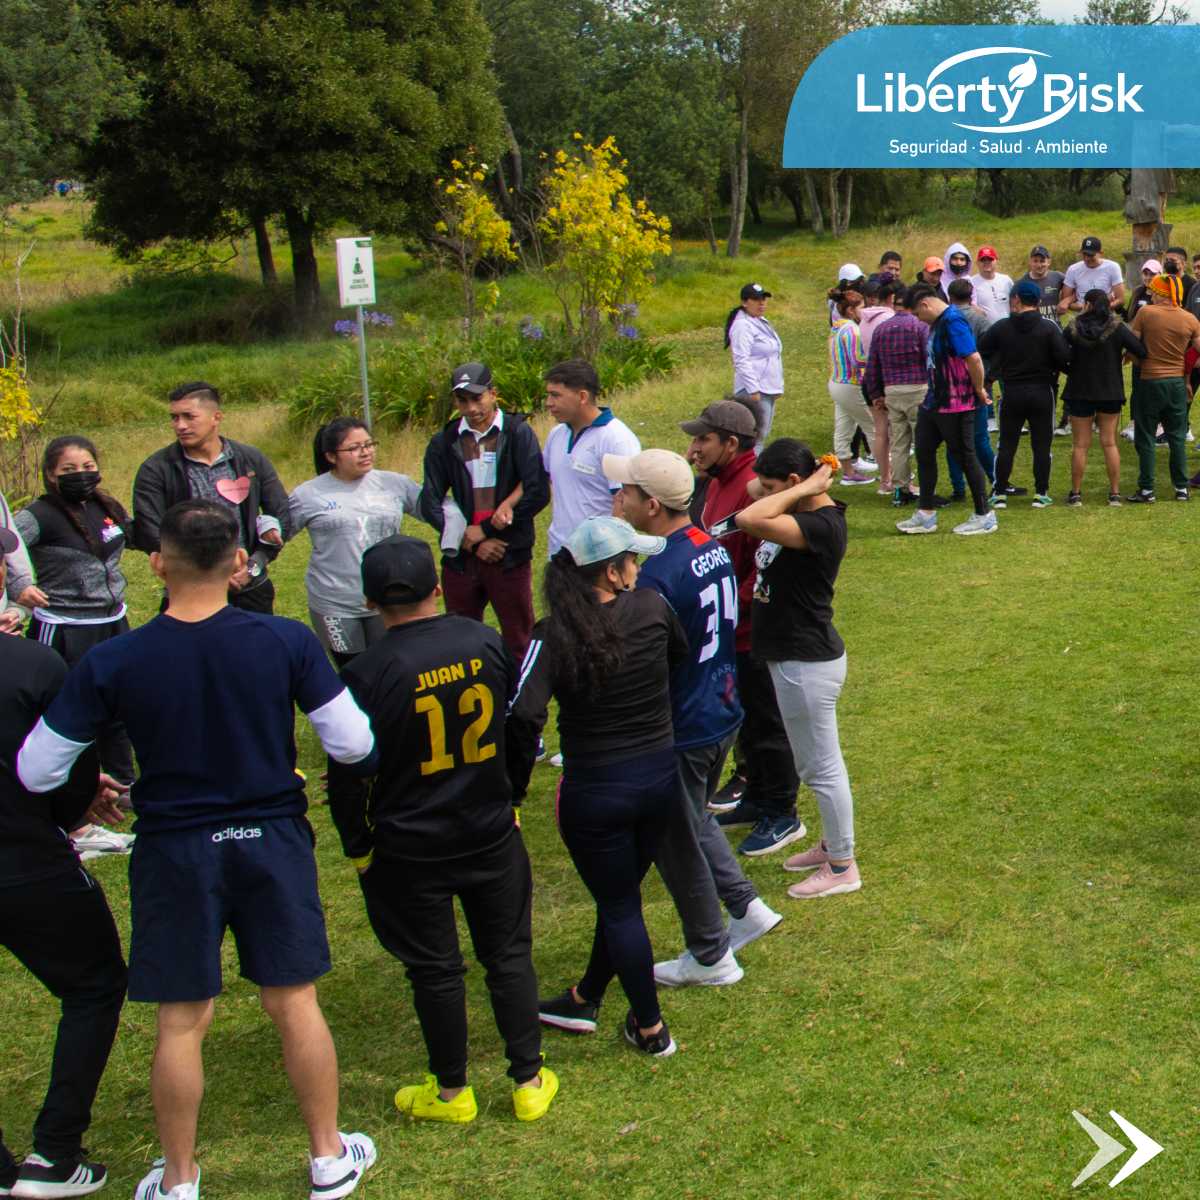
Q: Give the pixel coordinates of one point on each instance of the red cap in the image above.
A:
(985, 252)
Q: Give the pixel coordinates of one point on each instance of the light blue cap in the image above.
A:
(599, 538)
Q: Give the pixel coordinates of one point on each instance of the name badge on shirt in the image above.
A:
(582, 467)
(488, 457)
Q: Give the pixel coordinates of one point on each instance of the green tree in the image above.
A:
(344, 112)
(1133, 12)
(57, 81)
(968, 12)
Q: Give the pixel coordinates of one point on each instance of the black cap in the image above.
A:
(729, 415)
(471, 377)
(754, 291)
(9, 541)
(398, 562)
(1091, 245)
(1039, 250)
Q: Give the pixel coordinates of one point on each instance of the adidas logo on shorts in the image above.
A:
(237, 835)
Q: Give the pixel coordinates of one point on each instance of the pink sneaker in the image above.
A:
(815, 856)
(825, 883)
(852, 478)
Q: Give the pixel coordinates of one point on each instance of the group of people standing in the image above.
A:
(720, 640)
(930, 356)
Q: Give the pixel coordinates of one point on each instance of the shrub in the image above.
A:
(410, 380)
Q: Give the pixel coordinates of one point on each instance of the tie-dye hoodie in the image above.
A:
(949, 275)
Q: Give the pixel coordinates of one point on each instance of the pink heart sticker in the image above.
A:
(234, 490)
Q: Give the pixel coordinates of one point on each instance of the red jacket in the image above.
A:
(725, 497)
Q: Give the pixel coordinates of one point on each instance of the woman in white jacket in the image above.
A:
(757, 355)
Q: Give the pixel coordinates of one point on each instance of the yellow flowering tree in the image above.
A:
(599, 244)
(474, 233)
(20, 435)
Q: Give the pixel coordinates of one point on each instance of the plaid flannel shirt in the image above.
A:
(899, 352)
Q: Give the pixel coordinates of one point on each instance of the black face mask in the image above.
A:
(77, 486)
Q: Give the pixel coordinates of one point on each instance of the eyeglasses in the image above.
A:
(361, 448)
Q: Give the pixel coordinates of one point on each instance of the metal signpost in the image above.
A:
(356, 287)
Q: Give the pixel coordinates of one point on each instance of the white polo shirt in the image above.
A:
(992, 295)
(581, 489)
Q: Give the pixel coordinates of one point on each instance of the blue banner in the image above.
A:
(1000, 96)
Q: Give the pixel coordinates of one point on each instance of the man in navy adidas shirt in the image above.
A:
(207, 693)
(696, 577)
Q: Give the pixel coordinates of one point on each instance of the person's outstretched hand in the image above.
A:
(104, 810)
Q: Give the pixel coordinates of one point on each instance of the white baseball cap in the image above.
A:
(661, 474)
(850, 271)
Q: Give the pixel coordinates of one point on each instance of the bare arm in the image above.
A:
(975, 370)
(770, 519)
(1066, 300)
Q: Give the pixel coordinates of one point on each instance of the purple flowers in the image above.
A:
(349, 329)
(626, 331)
(531, 331)
(631, 309)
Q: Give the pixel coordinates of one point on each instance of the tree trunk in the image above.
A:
(841, 223)
(708, 226)
(834, 219)
(266, 258)
(304, 265)
(752, 200)
(788, 186)
(999, 189)
(739, 155)
(508, 197)
(814, 205)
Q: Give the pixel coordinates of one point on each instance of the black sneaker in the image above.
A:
(730, 795)
(1182, 494)
(660, 1044)
(565, 1012)
(8, 1168)
(1009, 490)
(1074, 500)
(745, 816)
(941, 501)
(1114, 499)
(957, 497)
(72, 1176)
(541, 751)
(1141, 496)
(903, 497)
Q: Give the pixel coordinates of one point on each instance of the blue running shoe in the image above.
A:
(772, 833)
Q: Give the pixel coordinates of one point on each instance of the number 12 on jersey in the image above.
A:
(476, 696)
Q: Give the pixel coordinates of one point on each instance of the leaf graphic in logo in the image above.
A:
(1023, 74)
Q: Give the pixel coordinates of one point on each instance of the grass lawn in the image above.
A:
(1024, 943)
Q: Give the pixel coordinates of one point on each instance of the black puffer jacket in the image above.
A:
(1031, 349)
(1095, 371)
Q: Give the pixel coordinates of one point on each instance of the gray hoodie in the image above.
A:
(949, 276)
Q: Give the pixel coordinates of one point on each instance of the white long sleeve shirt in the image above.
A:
(757, 355)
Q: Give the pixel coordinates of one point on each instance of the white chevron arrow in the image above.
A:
(1109, 1149)
(1145, 1148)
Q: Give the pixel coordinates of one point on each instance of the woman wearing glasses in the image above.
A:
(347, 508)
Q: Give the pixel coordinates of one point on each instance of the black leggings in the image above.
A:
(957, 430)
(613, 819)
(62, 930)
(1021, 404)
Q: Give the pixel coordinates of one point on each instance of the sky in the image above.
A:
(1068, 10)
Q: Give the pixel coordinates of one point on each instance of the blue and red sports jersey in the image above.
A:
(694, 573)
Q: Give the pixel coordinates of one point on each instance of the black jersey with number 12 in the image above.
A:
(436, 691)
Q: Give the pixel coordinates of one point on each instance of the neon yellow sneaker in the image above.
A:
(421, 1101)
(531, 1103)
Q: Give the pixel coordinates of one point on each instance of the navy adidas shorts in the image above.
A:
(257, 878)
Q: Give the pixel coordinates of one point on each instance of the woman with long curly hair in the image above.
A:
(605, 652)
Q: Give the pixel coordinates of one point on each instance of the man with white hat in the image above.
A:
(695, 574)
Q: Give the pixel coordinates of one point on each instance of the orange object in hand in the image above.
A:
(831, 460)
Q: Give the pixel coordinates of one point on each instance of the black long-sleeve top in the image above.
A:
(436, 691)
(1031, 348)
(629, 718)
(33, 825)
(1095, 372)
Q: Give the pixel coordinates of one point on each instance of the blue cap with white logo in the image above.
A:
(600, 538)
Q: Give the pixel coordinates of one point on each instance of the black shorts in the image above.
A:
(1089, 408)
(257, 878)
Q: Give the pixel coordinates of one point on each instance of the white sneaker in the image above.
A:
(992, 426)
(759, 919)
(1062, 431)
(1127, 432)
(866, 465)
(555, 760)
(1191, 437)
(978, 524)
(919, 522)
(333, 1177)
(98, 841)
(151, 1187)
(685, 971)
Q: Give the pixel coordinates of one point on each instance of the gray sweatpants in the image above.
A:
(695, 860)
(807, 693)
